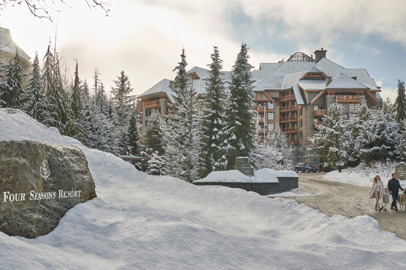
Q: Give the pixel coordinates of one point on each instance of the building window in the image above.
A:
(270, 106)
(270, 116)
(270, 126)
(148, 112)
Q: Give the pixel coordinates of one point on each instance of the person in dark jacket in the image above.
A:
(394, 186)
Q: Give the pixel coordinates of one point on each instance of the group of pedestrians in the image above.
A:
(379, 192)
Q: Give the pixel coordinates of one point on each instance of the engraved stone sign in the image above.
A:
(39, 182)
(401, 171)
(243, 165)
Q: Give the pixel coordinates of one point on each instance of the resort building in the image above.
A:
(294, 94)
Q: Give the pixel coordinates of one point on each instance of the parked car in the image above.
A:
(305, 167)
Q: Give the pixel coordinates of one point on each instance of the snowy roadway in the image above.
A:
(334, 198)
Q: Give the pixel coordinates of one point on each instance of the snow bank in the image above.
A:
(358, 179)
(159, 222)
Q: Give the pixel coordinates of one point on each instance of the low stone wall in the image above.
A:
(262, 188)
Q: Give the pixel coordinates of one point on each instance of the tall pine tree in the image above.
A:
(79, 124)
(240, 129)
(11, 93)
(38, 106)
(212, 137)
(400, 102)
(58, 98)
(182, 128)
(123, 108)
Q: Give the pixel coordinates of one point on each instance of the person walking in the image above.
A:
(394, 186)
(377, 191)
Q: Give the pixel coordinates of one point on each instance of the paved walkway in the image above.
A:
(333, 198)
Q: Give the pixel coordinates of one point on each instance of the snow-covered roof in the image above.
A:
(342, 81)
(286, 75)
(292, 78)
(298, 95)
(312, 84)
(8, 45)
(161, 87)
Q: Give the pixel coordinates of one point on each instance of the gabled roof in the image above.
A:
(312, 84)
(163, 87)
(342, 81)
(314, 70)
(299, 56)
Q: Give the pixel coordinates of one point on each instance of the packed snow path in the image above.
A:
(334, 198)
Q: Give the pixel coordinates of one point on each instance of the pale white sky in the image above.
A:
(145, 38)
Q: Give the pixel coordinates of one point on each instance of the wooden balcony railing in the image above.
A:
(347, 98)
(151, 104)
(289, 129)
(289, 119)
(288, 97)
(319, 113)
(288, 108)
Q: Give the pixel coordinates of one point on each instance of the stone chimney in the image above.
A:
(318, 54)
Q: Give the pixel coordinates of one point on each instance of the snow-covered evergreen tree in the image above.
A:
(212, 137)
(240, 129)
(38, 105)
(122, 100)
(274, 152)
(11, 92)
(156, 162)
(153, 136)
(123, 108)
(400, 102)
(380, 137)
(334, 142)
(53, 85)
(79, 131)
(181, 131)
(133, 136)
(401, 147)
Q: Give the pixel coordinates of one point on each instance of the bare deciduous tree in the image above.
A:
(42, 8)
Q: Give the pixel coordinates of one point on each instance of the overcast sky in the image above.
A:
(145, 37)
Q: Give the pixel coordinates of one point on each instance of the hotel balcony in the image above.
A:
(320, 113)
(347, 98)
(287, 97)
(288, 119)
(289, 130)
(288, 108)
(151, 104)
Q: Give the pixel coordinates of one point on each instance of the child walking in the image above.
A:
(385, 199)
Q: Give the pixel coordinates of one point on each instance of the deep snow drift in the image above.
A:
(154, 222)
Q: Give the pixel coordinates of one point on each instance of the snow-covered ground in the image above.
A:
(159, 222)
(359, 179)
